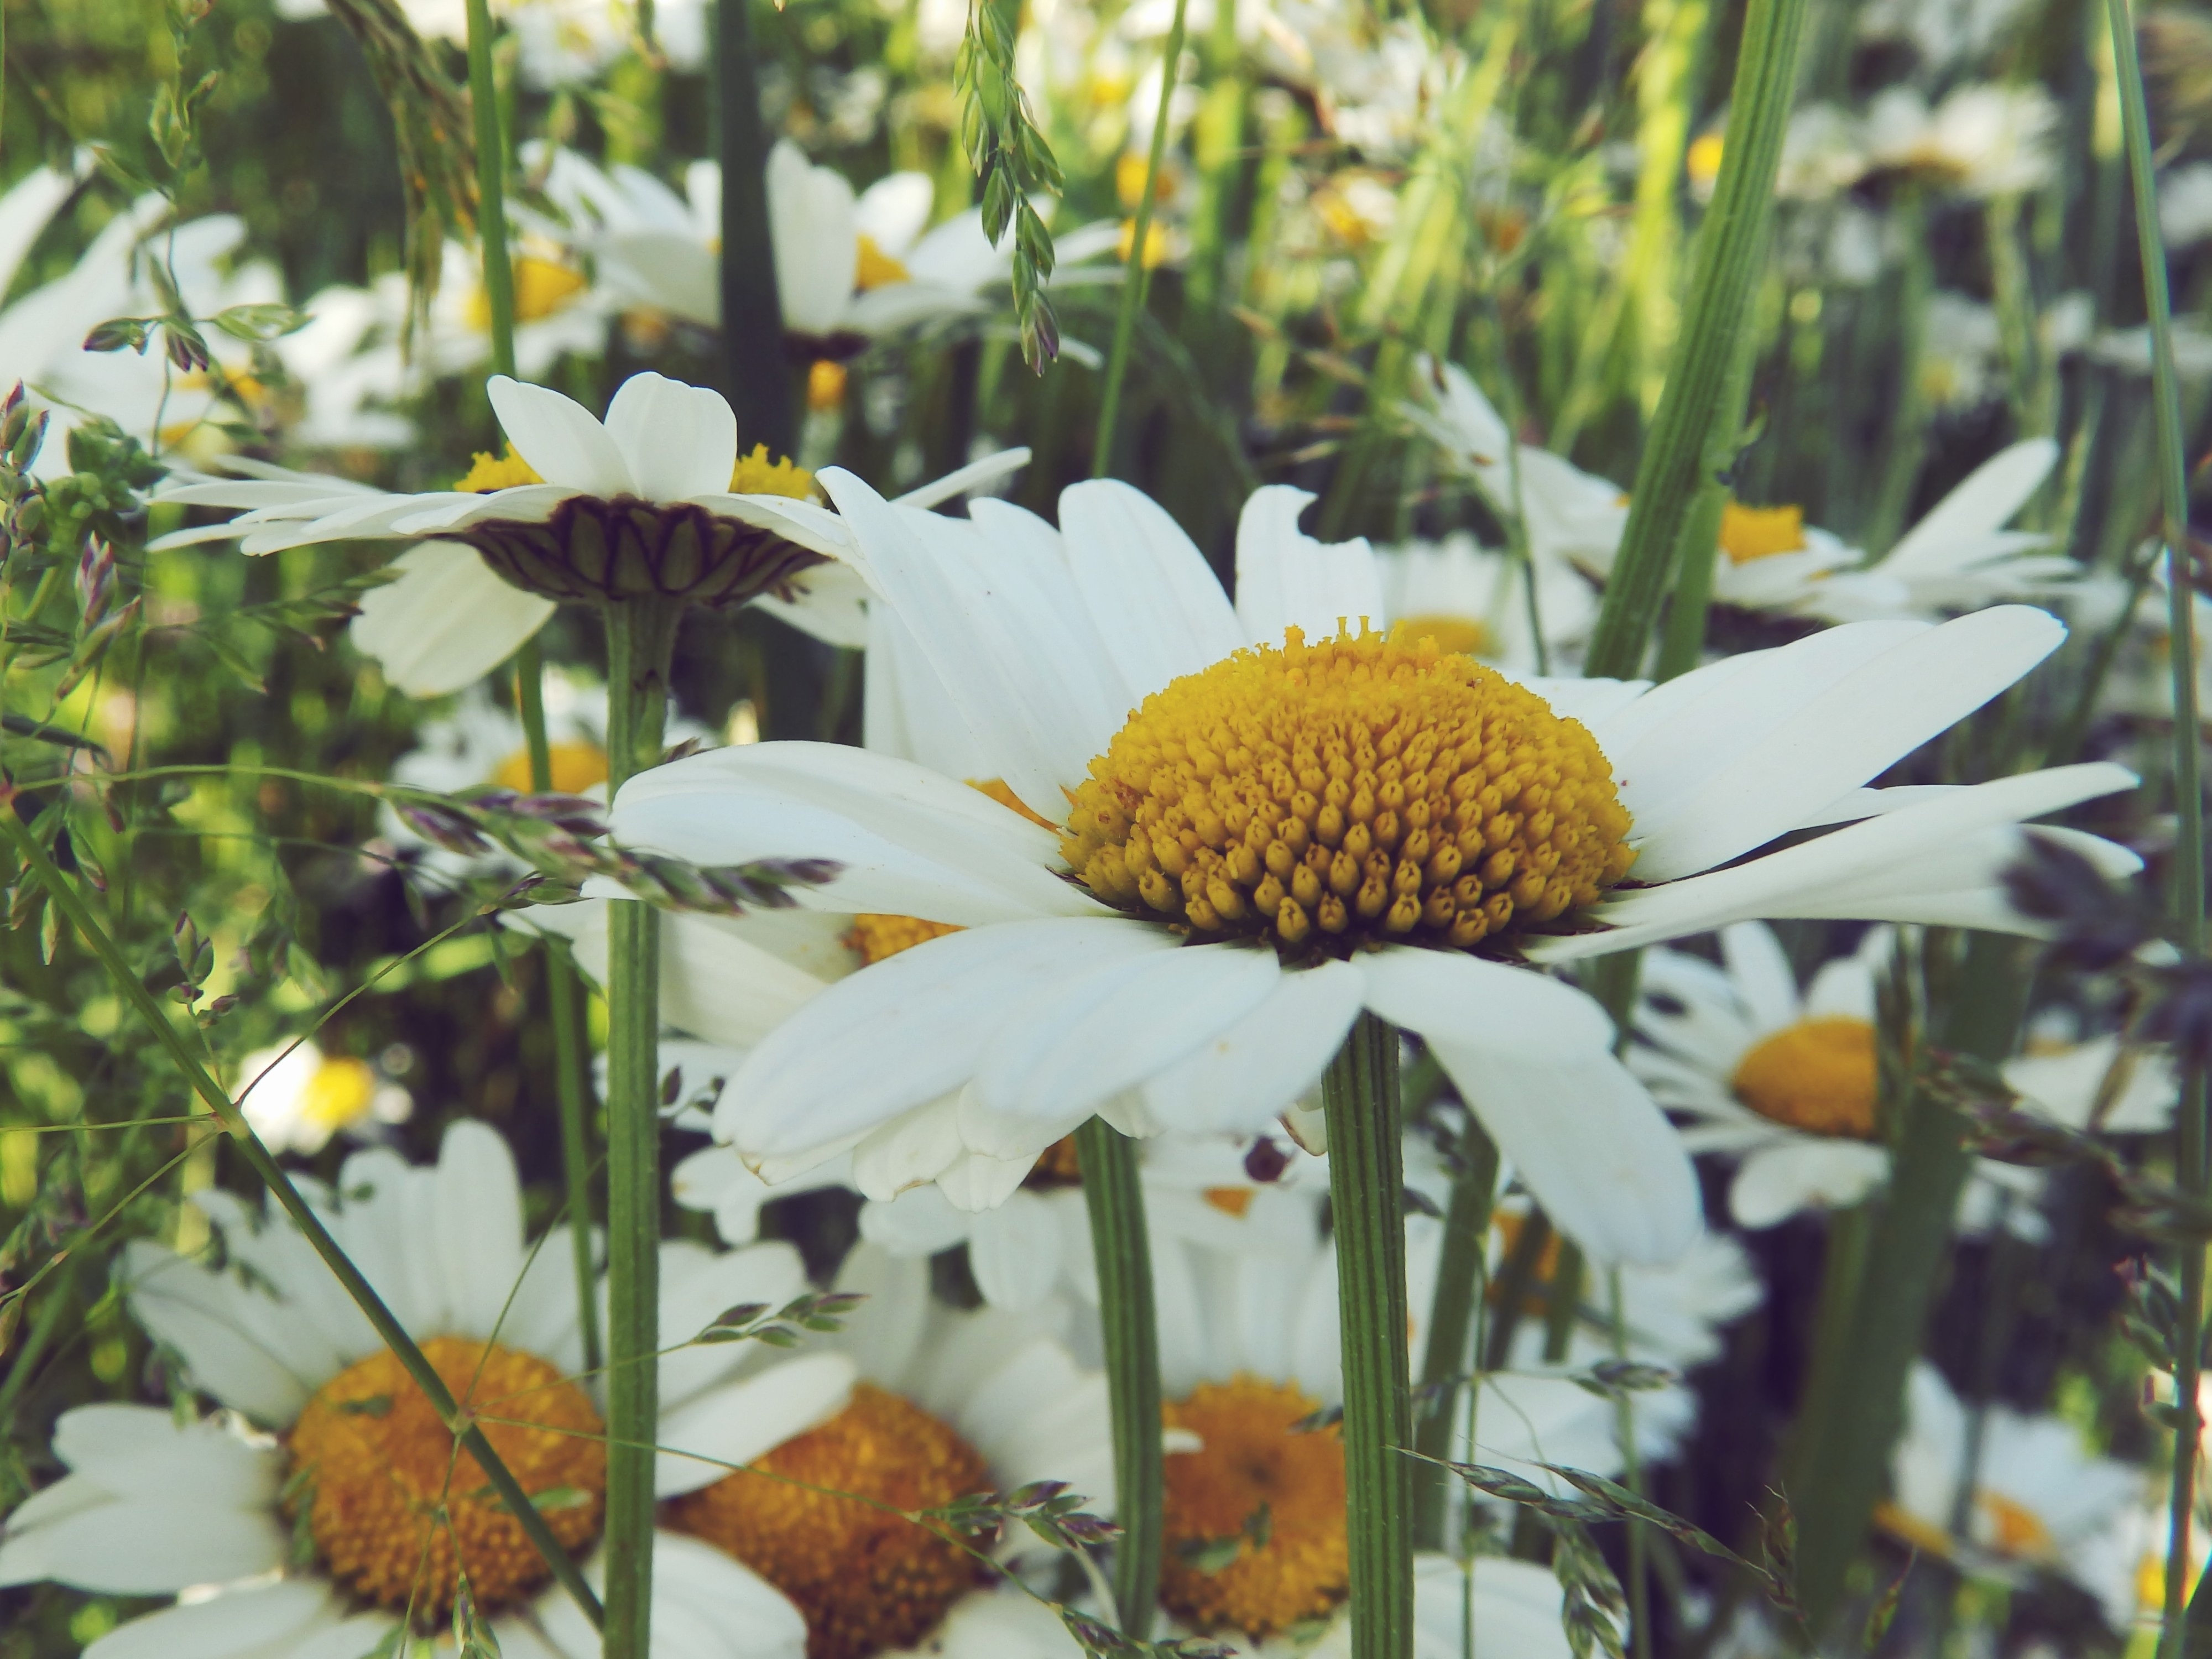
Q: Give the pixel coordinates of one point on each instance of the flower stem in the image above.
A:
(380, 1318)
(1451, 1319)
(1366, 1187)
(1114, 1193)
(1136, 278)
(1731, 245)
(640, 641)
(752, 313)
(2192, 1170)
(491, 190)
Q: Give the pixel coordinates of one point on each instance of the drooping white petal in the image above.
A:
(1014, 1252)
(829, 602)
(919, 1221)
(1803, 1172)
(141, 1451)
(735, 1422)
(560, 439)
(143, 1546)
(1238, 1080)
(894, 211)
(446, 623)
(817, 250)
(697, 1285)
(1980, 505)
(478, 1247)
(201, 1316)
(222, 1628)
(918, 1145)
(676, 441)
(1760, 971)
(1286, 579)
(1447, 993)
(1156, 602)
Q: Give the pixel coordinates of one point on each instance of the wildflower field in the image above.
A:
(1026, 830)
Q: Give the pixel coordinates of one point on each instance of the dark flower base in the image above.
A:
(628, 549)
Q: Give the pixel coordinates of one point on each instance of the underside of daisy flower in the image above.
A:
(1362, 790)
(630, 548)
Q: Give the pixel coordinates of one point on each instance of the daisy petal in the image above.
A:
(147, 1546)
(139, 1451)
(200, 1316)
(1014, 1252)
(676, 441)
(479, 1239)
(1237, 1079)
(558, 437)
(1778, 1181)
(1447, 994)
(220, 1628)
(1286, 579)
(1157, 603)
(1977, 508)
(734, 1423)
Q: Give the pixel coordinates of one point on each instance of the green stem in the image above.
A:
(1134, 275)
(1517, 1276)
(364, 1296)
(1697, 552)
(2193, 1171)
(1631, 1466)
(1563, 1299)
(641, 643)
(1731, 245)
(1451, 1321)
(1904, 451)
(561, 990)
(1366, 1187)
(752, 312)
(1114, 1193)
(491, 189)
(23, 1363)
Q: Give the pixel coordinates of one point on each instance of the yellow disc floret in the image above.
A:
(1290, 1564)
(340, 1092)
(866, 1578)
(393, 1509)
(755, 475)
(1817, 1075)
(1466, 635)
(874, 268)
(575, 767)
(1357, 792)
(1761, 533)
(877, 938)
(504, 471)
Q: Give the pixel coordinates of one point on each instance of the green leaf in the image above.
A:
(258, 322)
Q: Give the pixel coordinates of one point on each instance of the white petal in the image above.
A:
(333, 1637)
(139, 1450)
(446, 623)
(1981, 503)
(1115, 1028)
(736, 1423)
(1238, 1078)
(1447, 994)
(740, 1613)
(1286, 579)
(829, 601)
(220, 1628)
(149, 1546)
(696, 1286)
(918, 1146)
(1804, 1173)
(918, 1223)
(479, 1239)
(894, 211)
(1014, 1252)
(199, 1315)
(734, 979)
(1762, 977)
(1155, 601)
(565, 446)
(816, 249)
(907, 1030)
(676, 441)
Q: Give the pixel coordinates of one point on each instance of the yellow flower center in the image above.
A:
(866, 1579)
(875, 268)
(825, 386)
(754, 474)
(878, 938)
(508, 470)
(575, 767)
(338, 1093)
(395, 1510)
(1290, 1564)
(1467, 636)
(1901, 1522)
(541, 287)
(1703, 161)
(1060, 1165)
(1761, 533)
(1510, 1224)
(1333, 797)
(1156, 243)
(1817, 1075)
(2015, 1528)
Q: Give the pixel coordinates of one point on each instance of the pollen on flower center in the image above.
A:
(1759, 533)
(879, 937)
(874, 268)
(1258, 1486)
(1817, 1075)
(394, 1511)
(1465, 635)
(1346, 794)
(341, 1091)
(866, 1579)
(575, 767)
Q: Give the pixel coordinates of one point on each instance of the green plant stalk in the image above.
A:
(1136, 278)
(759, 376)
(380, 1319)
(491, 189)
(1631, 1468)
(1114, 1195)
(1366, 1188)
(641, 642)
(1517, 1276)
(2193, 1171)
(1697, 553)
(1451, 1320)
(1730, 246)
(1900, 468)
(23, 1362)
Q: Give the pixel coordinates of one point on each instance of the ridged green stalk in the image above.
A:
(640, 641)
(1451, 1321)
(1114, 1193)
(759, 376)
(1366, 1188)
(1731, 246)
(2191, 1169)
(491, 189)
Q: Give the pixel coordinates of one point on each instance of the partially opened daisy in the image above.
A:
(1784, 1082)
(296, 1096)
(947, 1405)
(1473, 598)
(1283, 834)
(346, 1511)
(657, 503)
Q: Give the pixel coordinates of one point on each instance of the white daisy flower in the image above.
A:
(1472, 599)
(317, 1536)
(1060, 998)
(1784, 1081)
(946, 1405)
(1983, 139)
(296, 1096)
(2040, 1501)
(657, 501)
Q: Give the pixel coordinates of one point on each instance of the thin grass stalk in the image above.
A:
(1451, 1321)
(759, 378)
(491, 189)
(2191, 1169)
(1136, 278)
(1366, 1186)
(1908, 428)
(1730, 247)
(640, 641)
(1631, 1466)
(364, 1296)
(1114, 1193)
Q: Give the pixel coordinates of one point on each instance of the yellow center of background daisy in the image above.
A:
(395, 1510)
(575, 767)
(866, 1579)
(1340, 795)
(1465, 635)
(1759, 533)
(877, 938)
(1817, 1075)
(1251, 1461)
(341, 1091)
(753, 475)
(874, 268)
